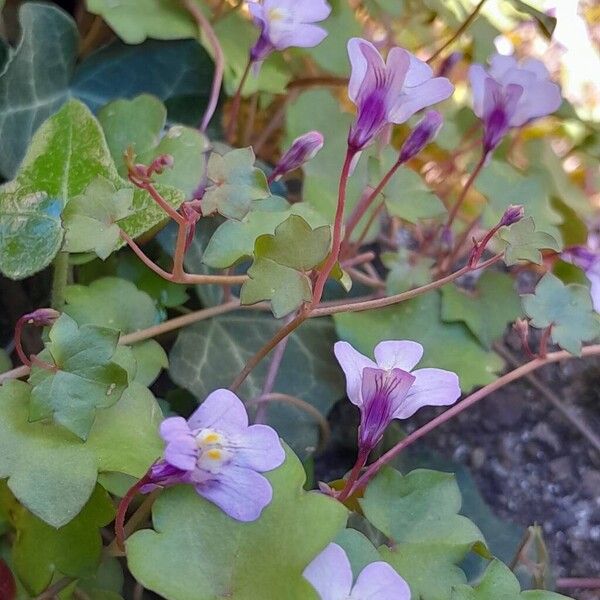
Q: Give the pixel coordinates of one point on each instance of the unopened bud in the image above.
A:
(41, 317)
(302, 150)
(512, 214)
(160, 163)
(424, 133)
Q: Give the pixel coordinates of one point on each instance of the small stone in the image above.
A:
(561, 468)
(590, 483)
(478, 456)
(534, 451)
(510, 411)
(543, 433)
(565, 520)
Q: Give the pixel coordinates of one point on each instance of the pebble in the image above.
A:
(561, 468)
(590, 483)
(544, 433)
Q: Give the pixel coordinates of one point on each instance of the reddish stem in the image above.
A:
(122, 510)
(466, 188)
(361, 461)
(363, 204)
(336, 242)
(18, 342)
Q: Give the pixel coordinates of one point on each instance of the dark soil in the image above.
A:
(530, 464)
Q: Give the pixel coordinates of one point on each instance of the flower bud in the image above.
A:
(424, 133)
(41, 317)
(512, 214)
(496, 126)
(302, 150)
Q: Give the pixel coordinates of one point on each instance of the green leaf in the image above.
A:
(236, 182)
(85, 377)
(418, 512)
(410, 199)
(499, 583)
(503, 185)
(419, 319)
(281, 261)
(41, 551)
(234, 240)
(139, 123)
(523, 242)
(119, 304)
(567, 308)
(90, 219)
(135, 20)
(106, 583)
(546, 23)
(34, 82)
(486, 310)
(111, 302)
(66, 154)
(358, 548)
(233, 339)
(341, 25)
(197, 552)
(52, 472)
(39, 77)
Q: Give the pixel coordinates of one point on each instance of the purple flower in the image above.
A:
(587, 258)
(388, 92)
(285, 23)
(387, 389)
(220, 455)
(331, 576)
(511, 95)
(512, 214)
(303, 149)
(424, 133)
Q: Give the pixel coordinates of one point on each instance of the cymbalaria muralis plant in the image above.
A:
(222, 218)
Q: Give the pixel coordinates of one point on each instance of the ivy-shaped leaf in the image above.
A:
(90, 219)
(567, 308)
(42, 552)
(236, 182)
(197, 552)
(40, 75)
(66, 154)
(139, 123)
(52, 472)
(281, 262)
(234, 240)
(119, 304)
(523, 242)
(233, 339)
(499, 583)
(487, 309)
(420, 319)
(84, 376)
(419, 513)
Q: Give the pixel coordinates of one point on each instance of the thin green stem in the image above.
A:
(60, 278)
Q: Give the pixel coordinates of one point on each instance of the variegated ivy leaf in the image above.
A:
(83, 376)
(236, 182)
(90, 219)
(66, 154)
(523, 242)
(281, 263)
(566, 308)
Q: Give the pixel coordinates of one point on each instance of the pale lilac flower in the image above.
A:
(423, 134)
(220, 455)
(303, 149)
(388, 388)
(587, 258)
(330, 575)
(388, 92)
(510, 95)
(286, 23)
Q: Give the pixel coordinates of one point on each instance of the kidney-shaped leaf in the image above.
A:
(197, 552)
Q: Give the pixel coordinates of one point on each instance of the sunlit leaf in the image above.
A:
(566, 308)
(281, 263)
